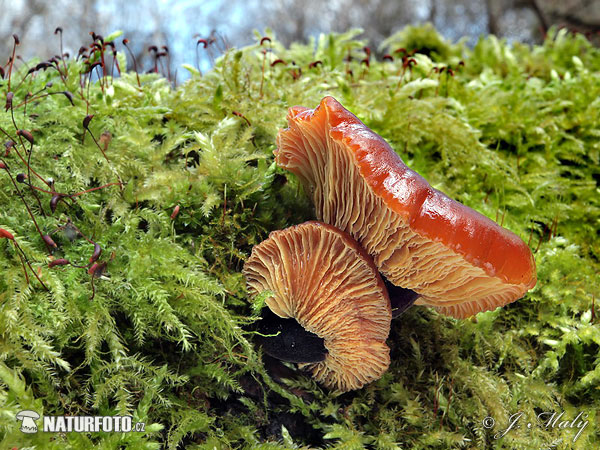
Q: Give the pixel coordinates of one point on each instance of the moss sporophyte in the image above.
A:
(130, 205)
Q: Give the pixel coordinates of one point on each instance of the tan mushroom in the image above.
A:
(456, 259)
(324, 280)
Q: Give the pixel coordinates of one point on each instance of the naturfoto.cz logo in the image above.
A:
(78, 424)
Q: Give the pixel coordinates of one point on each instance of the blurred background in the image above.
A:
(179, 24)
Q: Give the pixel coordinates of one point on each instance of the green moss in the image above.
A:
(161, 335)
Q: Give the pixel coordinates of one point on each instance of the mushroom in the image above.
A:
(322, 279)
(455, 259)
(28, 419)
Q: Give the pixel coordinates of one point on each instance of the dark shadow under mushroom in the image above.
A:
(287, 340)
(400, 298)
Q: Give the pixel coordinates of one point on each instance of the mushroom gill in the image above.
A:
(456, 259)
(324, 280)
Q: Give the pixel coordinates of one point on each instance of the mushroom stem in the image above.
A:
(28, 425)
(287, 340)
(400, 298)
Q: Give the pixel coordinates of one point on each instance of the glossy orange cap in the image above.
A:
(458, 260)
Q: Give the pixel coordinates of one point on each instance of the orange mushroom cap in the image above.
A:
(455, 258)
(322, 277)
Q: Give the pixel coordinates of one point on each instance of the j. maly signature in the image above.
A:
(547, 420)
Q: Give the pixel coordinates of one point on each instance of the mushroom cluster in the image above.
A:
(431, 249)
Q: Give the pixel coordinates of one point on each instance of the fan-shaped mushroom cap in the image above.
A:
(321, 277)
(458, 260)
